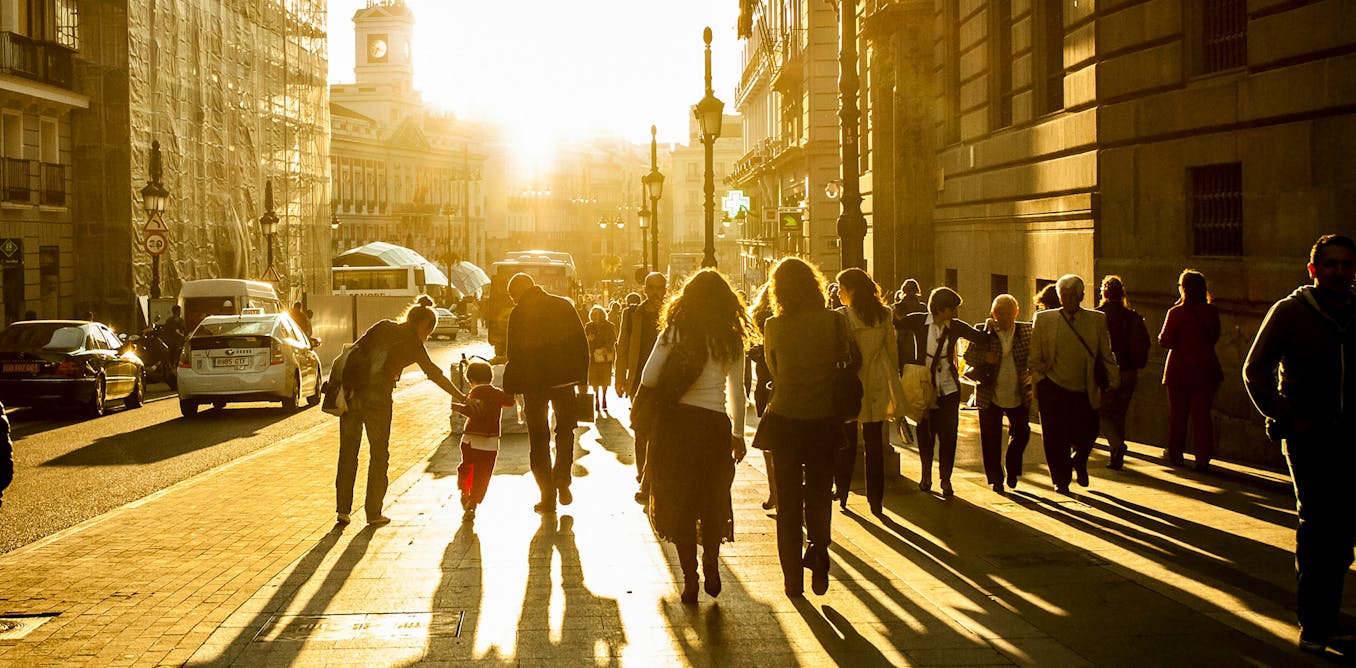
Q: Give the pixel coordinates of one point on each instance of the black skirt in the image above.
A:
(690, 469)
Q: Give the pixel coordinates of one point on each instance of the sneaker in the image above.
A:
(379, 521)
(343, 518)
(469, 515)
(565, 496)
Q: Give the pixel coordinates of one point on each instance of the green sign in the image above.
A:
(11, 252)
(792, 220)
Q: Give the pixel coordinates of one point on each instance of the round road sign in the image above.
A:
(155, 242)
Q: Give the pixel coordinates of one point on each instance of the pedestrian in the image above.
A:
(174, 332)
(639, 329)
(908, 302)
(614, 312)
(548, 356)
(1047, 297)
(701, 434)
(1130, 345)
(1003, 389)
(1192, 372)
(480, 439)
(602, 337)
(1301, 375)
(874, 334)
(934, 337)
(6, 455)
(299, 316)
(369, 377)
(835, 302)
(802, 344)
(1067, 346)
(759, 313)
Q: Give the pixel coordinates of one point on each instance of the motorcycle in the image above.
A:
(160, 358)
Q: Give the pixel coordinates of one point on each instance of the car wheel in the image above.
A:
(294, 397)
(315, 398)
(95, 407)
(188, 407)
(136, 398)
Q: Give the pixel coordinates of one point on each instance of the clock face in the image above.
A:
(376, 47)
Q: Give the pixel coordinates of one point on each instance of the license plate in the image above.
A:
(29, 367)
(231, 361)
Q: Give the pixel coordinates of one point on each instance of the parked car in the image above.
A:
(68, 361)
(447, 324)
(249, 357)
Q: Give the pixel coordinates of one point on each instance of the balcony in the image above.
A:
(45, 62)
(16, 182)
(53, 184)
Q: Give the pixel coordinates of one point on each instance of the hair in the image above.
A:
(633, 298)
(910, 288)
(1005, 300)
(1071, 281)
(1113, 290)
(706, 309)
(480, 372)
(761, 308)
(422, 300)
(943, 298)
(296, 305)
(1047, 297)
(1339, 240)
(796, 286)
(418, 314)
(865, 295)
(597, 314)
(1194, 290)
(656, 274)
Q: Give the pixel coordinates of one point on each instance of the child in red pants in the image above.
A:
(480, 441)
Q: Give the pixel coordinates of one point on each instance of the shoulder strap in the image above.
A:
(936, 352)
(1069, 322)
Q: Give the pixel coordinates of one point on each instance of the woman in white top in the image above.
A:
(874, 334)
(700, 435)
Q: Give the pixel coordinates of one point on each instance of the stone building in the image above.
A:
(402, 172)
(682, 209)
(235, 92)
(38, 99)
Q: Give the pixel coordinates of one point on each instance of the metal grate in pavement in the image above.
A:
(13, 627)
(365, 626)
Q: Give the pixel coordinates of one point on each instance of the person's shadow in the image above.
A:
(457, 604)
(586, 620)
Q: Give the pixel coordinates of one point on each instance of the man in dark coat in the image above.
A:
(639, 329)
(1309, 337)
(548, 355)
(6, 455)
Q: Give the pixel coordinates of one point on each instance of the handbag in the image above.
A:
(920, 389)
(604, 355)
(846, 384)
(679, 372)
(1099, 372)
(583, 406)
(335, 403)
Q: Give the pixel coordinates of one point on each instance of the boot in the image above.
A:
(711, 569)
(687, 560)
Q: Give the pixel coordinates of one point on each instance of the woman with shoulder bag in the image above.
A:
(874, 335)
(697, 365)
(602, 337)
(800, 429)
(759, 312)
(1192, 372)
(935, 334)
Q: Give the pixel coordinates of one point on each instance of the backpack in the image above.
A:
(1136, 343)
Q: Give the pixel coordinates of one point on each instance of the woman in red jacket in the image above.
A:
(1192, 373)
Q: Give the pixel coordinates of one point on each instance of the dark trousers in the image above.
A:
(370, 412)
(991, 440)
(473, 475)
(1068, 429)
(642, 451)
(550, 477)
(1194, 402)
(804, 478)
(938, 428)
(6, 455)
(1320, 469)
(873, 454)
(1111, 414)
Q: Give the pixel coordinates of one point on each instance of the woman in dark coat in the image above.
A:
(1192, 373)
(934, 335)
(602, 337)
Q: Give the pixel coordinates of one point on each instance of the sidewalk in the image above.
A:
(244, 566)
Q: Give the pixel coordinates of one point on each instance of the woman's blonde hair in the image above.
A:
(796, 286)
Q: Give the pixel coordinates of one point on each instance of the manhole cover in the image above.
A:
(14, 627)
(373, 626)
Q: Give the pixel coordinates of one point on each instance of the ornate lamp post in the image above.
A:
(643, 219)
(269, 224)
(851, 222)
(654, 189)
(153, 198)
(710, 113)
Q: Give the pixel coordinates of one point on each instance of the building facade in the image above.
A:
(402, 172)
(683, 208)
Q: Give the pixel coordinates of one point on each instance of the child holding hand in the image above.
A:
(480, 441)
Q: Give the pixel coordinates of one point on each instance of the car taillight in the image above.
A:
(276, 350)
(186, 357)
(69, 369)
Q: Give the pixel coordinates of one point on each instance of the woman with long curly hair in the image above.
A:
(700, 436)
(802, 342)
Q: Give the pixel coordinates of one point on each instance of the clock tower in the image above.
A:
(384, 32)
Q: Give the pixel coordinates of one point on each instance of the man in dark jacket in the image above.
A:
(6, 455)
(1310, 337)
(639, 329)
(548, 355)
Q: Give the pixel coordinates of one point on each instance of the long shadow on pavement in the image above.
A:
(586, 620)
(457, 605)
(167, 440)
(1266, 504)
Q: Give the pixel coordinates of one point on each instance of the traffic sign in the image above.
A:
(155, 242)
(156, 223)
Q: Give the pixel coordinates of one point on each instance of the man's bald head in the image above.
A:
(520, 284)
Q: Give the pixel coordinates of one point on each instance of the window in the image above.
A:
(48, 142)
(951, 78)
(49, 280)
(952, 279)
(1218, 30)
(1000, 63)
(1216, 209)
(1049, 58)
(13, 130)
(998, 284)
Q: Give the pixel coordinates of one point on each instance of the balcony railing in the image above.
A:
(47, 62)
(53, 184)
(17, 187)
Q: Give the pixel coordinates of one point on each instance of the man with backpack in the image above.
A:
(1130, 345)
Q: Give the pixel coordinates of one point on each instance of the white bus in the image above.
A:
(407, 281)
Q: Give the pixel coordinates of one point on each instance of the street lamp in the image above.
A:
(654, 189)
(269, 224)
(153, 198)
(643, 219)
(851, 222)
(710, 113)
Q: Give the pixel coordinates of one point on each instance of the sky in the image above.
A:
(553, 70)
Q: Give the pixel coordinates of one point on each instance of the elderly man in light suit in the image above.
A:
(1066, 344)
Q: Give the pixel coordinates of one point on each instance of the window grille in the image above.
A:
(1216, 209)
(1000, 62)
(1224, 35)
(1052, 57)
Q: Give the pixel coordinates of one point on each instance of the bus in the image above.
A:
(553, 270)
(407, 281)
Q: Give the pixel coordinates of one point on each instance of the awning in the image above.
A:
(382, 254)
(469, 279)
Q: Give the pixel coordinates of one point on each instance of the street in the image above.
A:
(69, 468)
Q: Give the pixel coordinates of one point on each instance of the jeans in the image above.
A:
(1193, 401)
(991, 440)
(370, 411)
(1115, 404)
(550, 477)
(1321, 463)
(873, 453)
(938, 426)
(1068, 429)
(804, 480)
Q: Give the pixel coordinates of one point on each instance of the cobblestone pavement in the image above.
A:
(243, 565)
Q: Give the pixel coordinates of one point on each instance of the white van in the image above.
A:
(225, 296)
